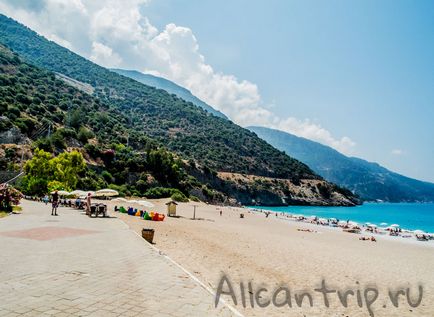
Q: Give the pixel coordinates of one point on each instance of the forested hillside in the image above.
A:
(181, 126)
(34, 104)
(170, 87)
(135, 121)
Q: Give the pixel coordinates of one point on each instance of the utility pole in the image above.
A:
(194, 212)
(49, 130)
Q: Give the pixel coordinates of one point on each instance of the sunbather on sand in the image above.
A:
(305, 230)
(372, 238)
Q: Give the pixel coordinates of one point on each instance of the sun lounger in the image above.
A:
(92, 210)
(101, 209)
(352, 230)
(422, 237)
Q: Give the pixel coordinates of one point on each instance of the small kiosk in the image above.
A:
(171, 208)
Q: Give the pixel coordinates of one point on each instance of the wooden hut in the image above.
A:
(171, 208)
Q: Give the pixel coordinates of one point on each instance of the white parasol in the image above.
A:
(77, 193)
(61, 192)
(106, 192)
(120, 199)
(145, 203)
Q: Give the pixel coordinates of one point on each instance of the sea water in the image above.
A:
(411, 216)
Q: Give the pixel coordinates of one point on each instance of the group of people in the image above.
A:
(56, 201)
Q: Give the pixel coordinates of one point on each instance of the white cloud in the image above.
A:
(117, 34)
(104, 55)
(397, 152)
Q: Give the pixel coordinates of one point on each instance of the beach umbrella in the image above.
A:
(145, 203)
(394, 225)
(418, 232)
(372, 225)
(61, 192)
(120, 199)
(383, 224)
(107, 192)
(77, 193)
(84, 194)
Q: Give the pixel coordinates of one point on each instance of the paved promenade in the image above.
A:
(73, 265)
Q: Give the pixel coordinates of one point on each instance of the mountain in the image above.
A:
(219, 157)
(368, 180)
(170, 87)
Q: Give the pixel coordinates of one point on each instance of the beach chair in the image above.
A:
(101, 209)
(92, 210)
(146, 216)
(131, 211)
(421, 237)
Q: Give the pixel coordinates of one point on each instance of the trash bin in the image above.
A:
(148, 234)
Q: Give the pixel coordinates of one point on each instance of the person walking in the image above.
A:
(88, 203)
(54, 203)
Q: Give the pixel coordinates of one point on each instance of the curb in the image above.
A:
(194, 278)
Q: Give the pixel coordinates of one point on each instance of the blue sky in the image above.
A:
(362, 69)
(355, 75)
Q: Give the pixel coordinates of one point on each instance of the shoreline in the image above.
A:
(400, 239)
(296, 213)
(272, 251)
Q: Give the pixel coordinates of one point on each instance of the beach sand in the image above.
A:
(271, 252)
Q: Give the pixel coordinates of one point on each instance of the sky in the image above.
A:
(355, 75)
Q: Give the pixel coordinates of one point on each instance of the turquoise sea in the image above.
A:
(408, 216)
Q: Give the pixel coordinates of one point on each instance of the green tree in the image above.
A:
(37, 170)
(66, 167)
(43, 171)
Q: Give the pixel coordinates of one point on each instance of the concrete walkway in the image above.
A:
(73, 265)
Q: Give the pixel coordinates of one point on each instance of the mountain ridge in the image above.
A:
(170, 87)
(369, 180)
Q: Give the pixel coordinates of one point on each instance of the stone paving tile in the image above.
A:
(110, 272)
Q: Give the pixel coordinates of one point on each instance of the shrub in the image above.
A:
(107, 177)
(162, 192)
(122, 189)
(178, 196)
(194, 198)
(84, 134)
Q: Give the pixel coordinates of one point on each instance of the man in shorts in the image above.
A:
(55, 203)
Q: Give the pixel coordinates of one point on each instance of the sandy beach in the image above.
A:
(272, 252)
